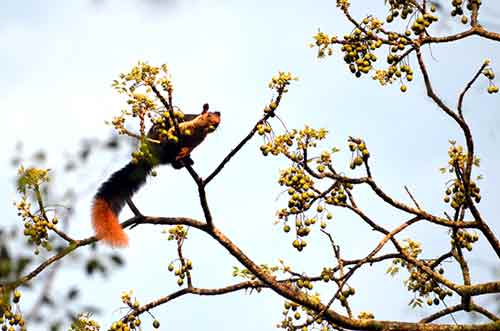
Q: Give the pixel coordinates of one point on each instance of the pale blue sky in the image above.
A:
(59, 58)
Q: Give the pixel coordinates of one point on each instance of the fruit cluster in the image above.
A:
(304, 283)
(164, 124)
(464, 239)
(179, 233)
(292, 144)
(279, 145)
(300, 183)
(419, 281)
(403, 7)
(143, 154)
(293, 314)
(301, 196)
(357, 53)
(129, 323)
(263, 128)
(360, 153)
(36, 224)
(488, 73)
(327, 274)
(459, 11)
(426, 286)
(457, 157)
(455, 194)
(421, 23)
(140, 85)
(338, 195)
(279, 83)
(141, 105)
(182, 271)
(300, 186)
(11, 320)
(132, 322)
(345, 294)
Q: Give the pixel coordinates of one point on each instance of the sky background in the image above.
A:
(59, 59)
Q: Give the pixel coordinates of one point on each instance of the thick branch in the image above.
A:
(476, 30)
(303, 299)
(283, 289)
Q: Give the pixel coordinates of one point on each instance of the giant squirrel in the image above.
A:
(121, 185)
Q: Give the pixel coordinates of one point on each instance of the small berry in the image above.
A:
(492, 89)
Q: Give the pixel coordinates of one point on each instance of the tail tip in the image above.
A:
(116, 240)
(106, 225)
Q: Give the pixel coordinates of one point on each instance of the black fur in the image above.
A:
(123, 184)
(126, 181)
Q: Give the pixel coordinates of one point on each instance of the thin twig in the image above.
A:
(467, 87)
(180, 242)
(242, 143)
(202, 194)
(381, 244)
(442, 313)
(133, 207)
(340, 284)
(412, 198)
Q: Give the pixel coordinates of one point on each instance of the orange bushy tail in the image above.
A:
(106, 224)
(111, 197)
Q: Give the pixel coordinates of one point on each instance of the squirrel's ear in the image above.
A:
(205, 108)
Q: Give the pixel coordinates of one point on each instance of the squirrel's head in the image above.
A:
(209, 119)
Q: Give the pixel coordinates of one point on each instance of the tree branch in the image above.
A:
(485, 312)
(467, 87)
(442, 313)
(243, 141)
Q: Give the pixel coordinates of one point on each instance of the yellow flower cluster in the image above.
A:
(31, 178)
(343, 4)
(142, 86)
(177, 232)
(281, 81)
(324, 44)
(84, 323)
(36, 224)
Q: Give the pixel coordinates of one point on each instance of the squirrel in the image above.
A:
(121, 185)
